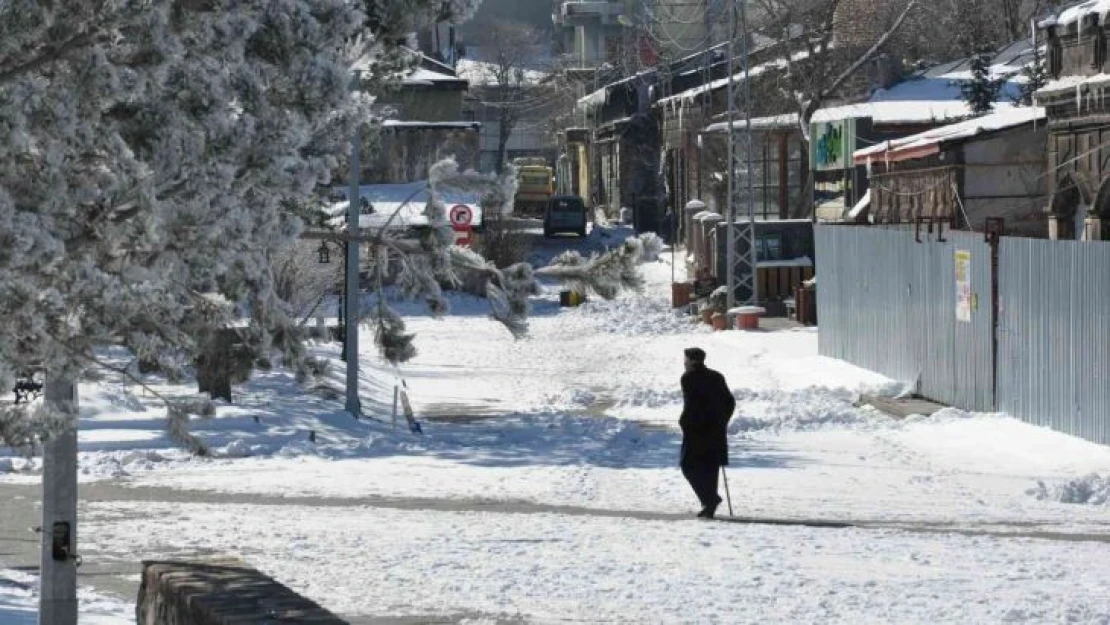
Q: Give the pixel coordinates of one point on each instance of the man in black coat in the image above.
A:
(707, 405)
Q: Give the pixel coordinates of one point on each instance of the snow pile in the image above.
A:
(128, 463)
(15, 465)
(801, 411)
(19, 603)
(944, 415)
(652, 398)
(635, 315)
(1091, 490)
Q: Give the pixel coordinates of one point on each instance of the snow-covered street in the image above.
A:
(545, 487)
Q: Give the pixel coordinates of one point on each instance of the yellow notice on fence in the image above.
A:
(963, 286)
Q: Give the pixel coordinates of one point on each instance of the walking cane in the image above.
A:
(728, 496)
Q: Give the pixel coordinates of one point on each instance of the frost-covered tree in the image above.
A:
(429, 260)
(605, 274)
(153, 155)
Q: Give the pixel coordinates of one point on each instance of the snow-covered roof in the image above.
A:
(594, 99)
(420, 76)
(929, 141)
(691, 94)
(1073, 14)
(933, 95)
(789, 120)
(409, 199)
(759, 42)
(423, 76)
(1079, 86)
(485, 73)
(462, 125)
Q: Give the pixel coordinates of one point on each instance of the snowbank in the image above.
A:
(19, 603)
(1091, 490)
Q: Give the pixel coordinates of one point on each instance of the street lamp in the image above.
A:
(324, 253)
(350, 270)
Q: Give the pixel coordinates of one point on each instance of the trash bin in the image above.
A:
(680, 294)
(571, 299)
(747, 317)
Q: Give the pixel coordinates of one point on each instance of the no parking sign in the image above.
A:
(461, 217)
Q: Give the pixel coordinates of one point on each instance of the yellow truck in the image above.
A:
(535, 186)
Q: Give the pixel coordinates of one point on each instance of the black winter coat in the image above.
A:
(706, 409)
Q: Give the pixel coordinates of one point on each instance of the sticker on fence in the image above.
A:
(963, 286)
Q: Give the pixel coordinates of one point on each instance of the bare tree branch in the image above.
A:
(810, 107)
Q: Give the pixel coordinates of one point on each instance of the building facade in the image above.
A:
(1078, 139)
(962, 175)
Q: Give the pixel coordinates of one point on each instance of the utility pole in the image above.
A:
(741, 250)
(58, 565)
(351, 299)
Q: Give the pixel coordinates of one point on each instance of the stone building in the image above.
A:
(1078, 138)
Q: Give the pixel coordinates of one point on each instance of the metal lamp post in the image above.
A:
(352, 300)
(348, 313)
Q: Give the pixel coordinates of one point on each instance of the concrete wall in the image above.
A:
(1004, 177)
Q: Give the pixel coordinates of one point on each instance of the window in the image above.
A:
(768, 247)
(1055, 54)
(1099, 43)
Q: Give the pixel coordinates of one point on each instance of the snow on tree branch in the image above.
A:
(432, 261)
(606, 274)
(157, 154)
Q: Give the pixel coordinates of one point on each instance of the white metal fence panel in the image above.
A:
(894, 305)
(1054, 335)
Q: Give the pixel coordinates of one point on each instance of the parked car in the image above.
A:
(565, 213)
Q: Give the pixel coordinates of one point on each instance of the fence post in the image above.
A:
(992, 233)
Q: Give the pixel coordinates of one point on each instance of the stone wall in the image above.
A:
(220, 592)
(860, 23)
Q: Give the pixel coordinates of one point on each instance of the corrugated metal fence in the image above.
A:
(922, 312)
(1054, 335)
(889, 303)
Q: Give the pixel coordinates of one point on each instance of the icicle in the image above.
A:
(1079, 98)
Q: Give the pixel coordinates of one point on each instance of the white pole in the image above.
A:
(58, 567)
(351, 297)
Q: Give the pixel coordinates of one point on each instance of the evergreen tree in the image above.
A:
(981, 91)
(1035, 75)
(155, 155)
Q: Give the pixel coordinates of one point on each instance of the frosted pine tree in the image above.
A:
(429, 261)
(154, 155)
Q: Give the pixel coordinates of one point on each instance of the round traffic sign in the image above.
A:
(461, 215)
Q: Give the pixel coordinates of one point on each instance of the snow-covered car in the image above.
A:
(565, 213)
